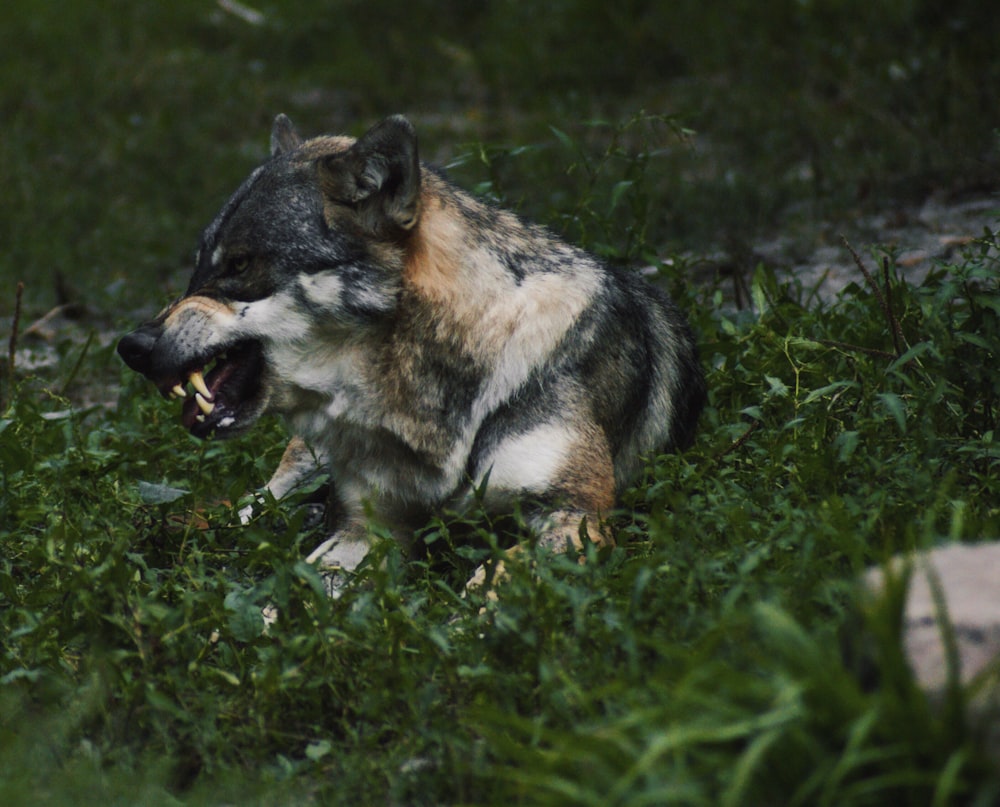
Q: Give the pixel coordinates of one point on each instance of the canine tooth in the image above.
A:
(178, 391)
(200, 418)
(198, 382)
(203, 405)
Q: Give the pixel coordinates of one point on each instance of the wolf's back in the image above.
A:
(640, 362)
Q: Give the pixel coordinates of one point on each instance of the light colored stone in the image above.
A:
(957, 585)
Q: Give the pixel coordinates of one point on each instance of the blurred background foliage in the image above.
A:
(125, 123)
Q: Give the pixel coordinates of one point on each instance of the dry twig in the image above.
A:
(895, 327)
(12, 347)
(739, 441)
(7, 370)
(898, 339)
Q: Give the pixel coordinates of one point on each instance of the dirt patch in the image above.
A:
(921, 236)
(931, 234)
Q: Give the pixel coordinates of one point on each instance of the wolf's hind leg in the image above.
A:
(560, 531)
(568, 466)
(565, 530)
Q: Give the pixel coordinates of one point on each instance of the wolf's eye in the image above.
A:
(239, 264)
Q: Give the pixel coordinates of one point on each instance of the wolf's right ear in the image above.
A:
(284, 137)
(379, 176)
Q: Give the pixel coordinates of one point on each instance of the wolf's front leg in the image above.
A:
(339, 555)
(299, 465)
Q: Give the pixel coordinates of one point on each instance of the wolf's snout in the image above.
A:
(136, 348)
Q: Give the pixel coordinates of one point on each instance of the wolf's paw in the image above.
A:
(335, 581)
(572, 531)
(484, 581)
(254, 505)
(251, 505)
(336, 559)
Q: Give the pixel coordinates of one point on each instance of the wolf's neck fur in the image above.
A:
(469, 291)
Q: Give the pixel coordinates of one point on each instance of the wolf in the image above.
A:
(419, 342)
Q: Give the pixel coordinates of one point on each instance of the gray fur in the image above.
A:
(421, 340)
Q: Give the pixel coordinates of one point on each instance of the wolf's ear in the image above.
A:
(284, 137)
(380, 176)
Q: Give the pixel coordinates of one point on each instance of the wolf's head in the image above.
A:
(308, 251)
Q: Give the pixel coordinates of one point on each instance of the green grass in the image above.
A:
(720, 655)
(699, 663)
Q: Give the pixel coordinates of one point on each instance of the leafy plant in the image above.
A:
(700, 661)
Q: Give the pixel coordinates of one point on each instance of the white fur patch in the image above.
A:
(335, 371)
(324, 289)
(278, 318)
(338, 553)
(525, 326)
(515, 333)
(532, 461)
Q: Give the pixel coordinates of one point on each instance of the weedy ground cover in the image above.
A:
(700, 662)
(717, 656)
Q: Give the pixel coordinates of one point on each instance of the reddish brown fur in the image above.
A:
(195, 305)
(588, 479)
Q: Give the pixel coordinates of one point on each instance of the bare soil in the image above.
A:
(921, 236)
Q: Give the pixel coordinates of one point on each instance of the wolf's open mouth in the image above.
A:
(222, 389)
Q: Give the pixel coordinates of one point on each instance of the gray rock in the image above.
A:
(957, 585)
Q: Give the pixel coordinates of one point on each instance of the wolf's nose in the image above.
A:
(136, 348)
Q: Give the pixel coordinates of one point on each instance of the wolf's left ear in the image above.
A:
(284, 137)
(380, 176)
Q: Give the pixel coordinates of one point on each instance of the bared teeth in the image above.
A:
(198, 382)
(203, 405)
(177, 391)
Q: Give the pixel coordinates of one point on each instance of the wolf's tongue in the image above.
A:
(218, 377)
(193, 414)
(189, 412)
